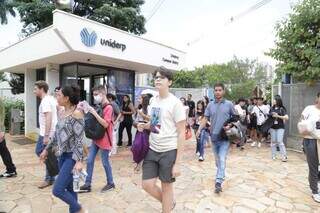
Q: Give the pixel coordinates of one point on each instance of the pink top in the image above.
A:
(106, 142)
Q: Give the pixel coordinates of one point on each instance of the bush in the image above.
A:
(12, 104)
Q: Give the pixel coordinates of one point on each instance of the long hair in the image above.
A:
(206, 98)
(184, 100)
(279, 102)
(203, 108)
(145, 104)
(126, 104)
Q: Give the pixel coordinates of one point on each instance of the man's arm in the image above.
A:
(48, 124)
(101, 120)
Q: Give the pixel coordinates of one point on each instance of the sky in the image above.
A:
(204, 25)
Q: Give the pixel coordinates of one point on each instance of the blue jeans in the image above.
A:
(277, 139)
(204, 135)
(40, 146)
(63, 186)
(105, 162)
(220, 151)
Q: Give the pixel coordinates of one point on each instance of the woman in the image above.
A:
(126, 112)
(279, 113)
(68, 139)
(205, 101)
(185, 105)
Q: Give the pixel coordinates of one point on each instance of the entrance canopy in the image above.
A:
(75, 39)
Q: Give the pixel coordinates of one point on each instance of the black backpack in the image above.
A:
(93, 129)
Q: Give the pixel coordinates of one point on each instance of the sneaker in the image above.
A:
(85, 188)
(8, 175)
(274, 158)
(259, 145)
(198, 154)
(249, 140)
(201, 159)
(108, 187)
(218, 188)
(285, 159)
(316, 197)
(45, 184)
(254, 144)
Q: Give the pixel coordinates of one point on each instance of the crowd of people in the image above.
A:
(64, 123)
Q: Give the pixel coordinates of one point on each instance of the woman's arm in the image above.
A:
(131, 107)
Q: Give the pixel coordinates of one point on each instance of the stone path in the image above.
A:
(254, 183)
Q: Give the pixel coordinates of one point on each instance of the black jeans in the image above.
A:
(6, 157)
(128, 126)
(310, 149)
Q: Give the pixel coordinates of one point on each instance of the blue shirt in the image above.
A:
(218, 113)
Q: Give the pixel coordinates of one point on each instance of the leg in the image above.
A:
(129, 132)
(107, 166)
(64, 181)
(6, 157)
(274, 142)
(90, 162)
(202, 142)
(73, 194)
(280, 134)
(167, 197)
(39, 148)
(152, 189)
(222, 157)
(310, 149)
(121, 128)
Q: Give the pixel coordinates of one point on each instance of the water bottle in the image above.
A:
(76, 181)
(83, 175)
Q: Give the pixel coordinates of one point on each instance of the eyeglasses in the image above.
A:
(159, 77)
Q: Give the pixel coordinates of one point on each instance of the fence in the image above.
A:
(295, 98)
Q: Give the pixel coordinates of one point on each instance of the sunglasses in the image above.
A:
(159, 77)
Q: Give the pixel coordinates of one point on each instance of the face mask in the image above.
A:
(97, 99)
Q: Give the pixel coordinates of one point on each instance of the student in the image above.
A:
(192, 109)
(185, 106)
(261, 111)
(279, 113)
(127, 112)
(4, 151)
(220, 112)
(116, 117)
(104, 144)
(311, 114)
(47, 123)
(167, 125)
(204, 133)
(68, 139)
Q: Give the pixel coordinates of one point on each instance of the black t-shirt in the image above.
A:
(278, 123)
(192, 106)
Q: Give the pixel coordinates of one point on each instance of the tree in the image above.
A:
(6, 7)
(2, 76)
(298, 42)
(16, 83)
(124, 15)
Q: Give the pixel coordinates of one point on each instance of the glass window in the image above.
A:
(69, 75)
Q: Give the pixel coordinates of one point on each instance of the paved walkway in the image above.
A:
(254, 183)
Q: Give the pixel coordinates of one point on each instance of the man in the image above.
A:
(116, 116)
(104, 144)
(220, 112)
(311, 145)
(47, 123)
(192, 108)
(167, 125)
(4, 151)
(261, 111)
(241, 110)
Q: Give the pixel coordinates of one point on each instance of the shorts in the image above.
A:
(159, 164)
(259, 131)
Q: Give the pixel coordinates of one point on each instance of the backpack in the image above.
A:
(93, 129)
(140, 146)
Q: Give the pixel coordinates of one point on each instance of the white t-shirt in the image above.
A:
(165, 114)
(261, 113)
(312, 113)
(48, 104)
(241, 112)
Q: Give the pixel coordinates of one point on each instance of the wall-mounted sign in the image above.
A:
(89, 39)
(172, 60)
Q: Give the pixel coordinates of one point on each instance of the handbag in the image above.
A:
(267, 125)
(140, 146)
(52, 163)
(188, 133)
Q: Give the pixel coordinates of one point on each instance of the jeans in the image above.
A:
(105, 162)
(63, 186)
(277, 139)
(310, 149)
(204, 135)
(40, 146)
(220, 151)
(6, 157)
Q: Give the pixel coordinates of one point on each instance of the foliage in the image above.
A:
(2, 76)
(12, 104)
(37, 14)
(6, 7)
(298, 42)
(16, 83)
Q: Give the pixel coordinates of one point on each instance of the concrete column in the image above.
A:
(31, 130)
(52, 76)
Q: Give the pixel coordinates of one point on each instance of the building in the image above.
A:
(75, 50)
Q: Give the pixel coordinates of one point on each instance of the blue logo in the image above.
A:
(88, 39)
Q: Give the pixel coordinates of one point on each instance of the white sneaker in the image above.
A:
(201, 158)
(285, 159)
(316, 197)
(259, 144)
(198, 154)
(274, 158)
(253, 144)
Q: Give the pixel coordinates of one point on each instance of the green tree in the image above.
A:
(6, 7)
(298, 42)
(2, 76)
(16, 83)
(124, 15)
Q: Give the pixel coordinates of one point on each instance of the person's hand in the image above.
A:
(78, 167)
(46, 140)
(140, 127)
(176, 172)
(275, 115)
(43, 155)
(91, 109)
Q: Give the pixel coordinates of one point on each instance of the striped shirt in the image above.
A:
(69, 137)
